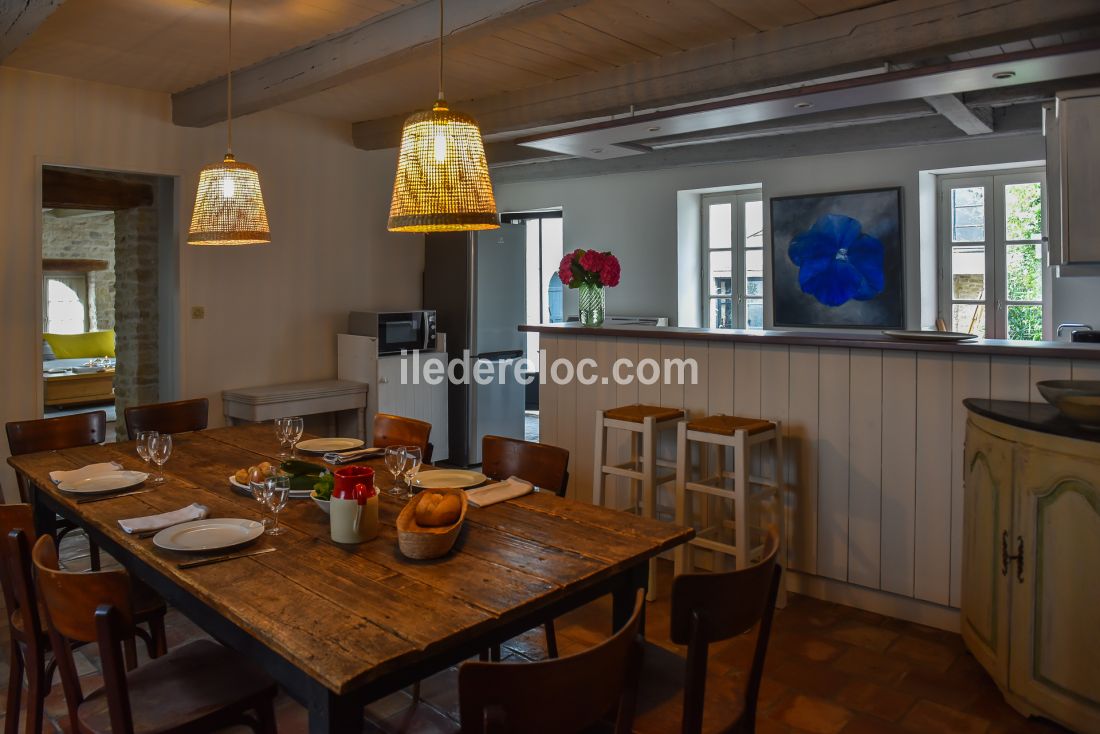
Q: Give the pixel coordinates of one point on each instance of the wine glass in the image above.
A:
(294, 428)
(143, 440)
(276, 494)
(413, 458)
(281, 434)
(160, 449)
(395, 462)
(257, 484)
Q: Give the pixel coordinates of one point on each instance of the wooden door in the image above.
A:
(987, 519)
(1055, 641)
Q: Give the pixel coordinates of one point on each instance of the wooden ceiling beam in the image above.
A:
(859, 39)
(71, 190)
(977, 121)
(18, 20)
(369, 48)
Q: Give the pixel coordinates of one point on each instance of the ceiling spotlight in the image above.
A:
(1000, 75)
(803, 105)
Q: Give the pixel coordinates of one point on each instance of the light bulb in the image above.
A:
(228, 189)
(440, 147)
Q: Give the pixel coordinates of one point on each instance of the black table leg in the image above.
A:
(330, 713)
(622, 597)
(45, 519)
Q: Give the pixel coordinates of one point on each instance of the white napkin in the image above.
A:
(84, 472)
(490, 494)
(164, 520)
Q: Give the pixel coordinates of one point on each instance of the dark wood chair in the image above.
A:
(707, 608)
(178, 417)
(543, 465)
(198, 687)
(52, 434)
(396, 430)
(30, 642)
(569, 694)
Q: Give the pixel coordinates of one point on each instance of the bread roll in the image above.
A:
(436, 510)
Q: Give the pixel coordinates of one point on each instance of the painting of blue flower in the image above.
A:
(837, 261)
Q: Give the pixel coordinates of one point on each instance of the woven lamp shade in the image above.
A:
(229, 206)
(442, 182)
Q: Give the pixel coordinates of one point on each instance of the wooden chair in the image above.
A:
(53, 434)
(559, 696)
(710, 607)
(178, 417)
(396, 430)
(30, 642)
(198, 687)
(543, 465)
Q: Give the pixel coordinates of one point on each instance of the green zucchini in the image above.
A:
(298, 468)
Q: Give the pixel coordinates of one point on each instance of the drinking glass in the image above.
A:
(395, 462)
(159, 450)
(413, 458)
(257, 484)
(143, 440)
(276, 494)
(281, 425)
(294, 428)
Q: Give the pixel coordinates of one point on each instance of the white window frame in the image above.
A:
(80, 283)
(737, 201)
(996, 245)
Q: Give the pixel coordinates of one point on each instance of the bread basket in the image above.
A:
(421, 543)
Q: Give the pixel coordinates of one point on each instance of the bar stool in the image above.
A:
(645, 422)
(751, 491)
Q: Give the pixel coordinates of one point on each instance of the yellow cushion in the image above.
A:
(74, 346)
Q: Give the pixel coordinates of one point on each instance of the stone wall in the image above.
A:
(87, 237)
(136, 313)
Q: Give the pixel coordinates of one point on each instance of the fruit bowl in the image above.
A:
(1077, 400)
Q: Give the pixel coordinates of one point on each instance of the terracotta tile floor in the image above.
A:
(830, 670)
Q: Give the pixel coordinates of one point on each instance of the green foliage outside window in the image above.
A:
(1024, 221)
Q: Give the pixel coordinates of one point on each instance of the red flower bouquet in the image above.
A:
(589, 267)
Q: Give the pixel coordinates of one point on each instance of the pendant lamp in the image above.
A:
(442, 182)
(229, 205)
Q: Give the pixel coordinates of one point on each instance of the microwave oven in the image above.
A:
(395, 330)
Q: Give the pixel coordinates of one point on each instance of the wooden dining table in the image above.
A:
(339, 626)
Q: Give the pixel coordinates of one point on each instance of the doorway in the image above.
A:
(108, 291)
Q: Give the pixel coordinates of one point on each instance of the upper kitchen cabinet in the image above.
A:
(1072, 127)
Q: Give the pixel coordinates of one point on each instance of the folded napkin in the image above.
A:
(346, 457)
(490, 494)
(84, 472)
(164, 520)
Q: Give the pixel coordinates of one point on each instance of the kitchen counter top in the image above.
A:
(1039, 417)
(872, 340)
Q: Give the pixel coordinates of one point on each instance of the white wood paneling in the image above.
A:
(1048, 369)
(775, 383)
(865, 462)
(1083, 370)
(720, 377)
(899, 470)
(970, 379)
(1009, 378)
(568, 416)
(548, 396)
(587, 399)
(802, 447)
(746, 381)
(833, 463)
(932, 511)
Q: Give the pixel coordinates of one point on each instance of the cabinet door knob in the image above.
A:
(1018, 557)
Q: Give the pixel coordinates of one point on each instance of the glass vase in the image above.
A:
(592, 303)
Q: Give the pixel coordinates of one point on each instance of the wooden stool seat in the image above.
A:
(638, 413)
(182, 688)
(727, 425)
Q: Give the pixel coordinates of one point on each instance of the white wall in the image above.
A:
(636, 216)
(272, 312)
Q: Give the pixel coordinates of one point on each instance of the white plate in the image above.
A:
(207, 535)
(111, 481)
(321, 445)
(448, 478)
(930, 336)
(295, 494)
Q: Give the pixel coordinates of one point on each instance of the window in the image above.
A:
(733, 260)
(64, 310)
(543, 292)
(993, 279)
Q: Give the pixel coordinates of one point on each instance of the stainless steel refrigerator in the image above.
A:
(475, 283)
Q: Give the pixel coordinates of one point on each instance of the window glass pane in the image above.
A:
(754, 272)
(1024, 270)
(754, 224)
(720, 273)
(721, 313)
(754, 313)
(968, 214)
(968, 272)
(720, 232)
(1025, 322)
(64, 306)
(1024, 211)
(968, 318)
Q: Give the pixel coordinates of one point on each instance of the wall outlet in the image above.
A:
(198, 312)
